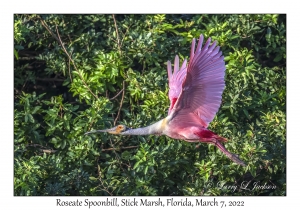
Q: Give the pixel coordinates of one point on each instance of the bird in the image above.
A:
(195, 94)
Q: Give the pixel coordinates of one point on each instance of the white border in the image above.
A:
(153, 6)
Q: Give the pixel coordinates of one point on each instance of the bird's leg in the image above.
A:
(231, 156)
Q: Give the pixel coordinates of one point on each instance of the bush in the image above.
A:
(70, 71)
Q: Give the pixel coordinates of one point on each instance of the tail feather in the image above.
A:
(206, 135)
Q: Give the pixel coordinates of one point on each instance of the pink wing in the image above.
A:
(175, 80)
(203, 85)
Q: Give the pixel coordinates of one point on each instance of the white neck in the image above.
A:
(155, 128)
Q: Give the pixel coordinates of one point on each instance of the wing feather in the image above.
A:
(202, 88)
(176, 78)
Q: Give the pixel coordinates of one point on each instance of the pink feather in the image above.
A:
(175, 80)
(198, 89)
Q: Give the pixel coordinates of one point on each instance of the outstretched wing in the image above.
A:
(203, 85)
(175, 80)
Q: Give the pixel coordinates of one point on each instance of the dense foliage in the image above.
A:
(69, 73)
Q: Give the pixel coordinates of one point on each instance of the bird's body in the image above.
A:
(195, 93)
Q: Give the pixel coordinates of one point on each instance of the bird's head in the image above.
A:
(118, 130)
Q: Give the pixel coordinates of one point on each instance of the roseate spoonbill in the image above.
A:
(195, 93)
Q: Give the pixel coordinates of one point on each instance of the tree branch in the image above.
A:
(122, 148)
(123, 93)
(119, 46)
(64, 49)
